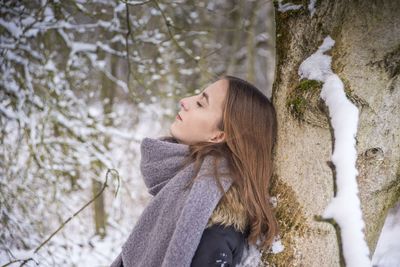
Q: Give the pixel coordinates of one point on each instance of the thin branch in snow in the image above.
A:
(24, 261)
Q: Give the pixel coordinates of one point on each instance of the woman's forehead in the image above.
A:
(217, 92)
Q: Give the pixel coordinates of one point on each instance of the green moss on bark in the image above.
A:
(303, 96)
(292, 221)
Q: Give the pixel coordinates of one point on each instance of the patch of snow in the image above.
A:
(311, 7)
(387, 252)
(287, 6)
(273, 201)
(277, 246)
(344, 208)
(251, 256)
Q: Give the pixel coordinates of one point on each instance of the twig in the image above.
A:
(169, 25)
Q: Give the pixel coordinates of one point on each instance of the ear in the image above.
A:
(218, 137)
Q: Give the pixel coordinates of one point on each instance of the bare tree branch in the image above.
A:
(24, 261)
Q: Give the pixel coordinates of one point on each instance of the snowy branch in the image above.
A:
(31, 258)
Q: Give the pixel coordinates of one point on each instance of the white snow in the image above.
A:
(251, 257)
(344, 208)
(277, 246)
(11, 27)
(287, 6)
(273, 201)
(311, 7)
(387, 251)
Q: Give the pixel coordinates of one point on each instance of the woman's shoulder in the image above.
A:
(230, 211)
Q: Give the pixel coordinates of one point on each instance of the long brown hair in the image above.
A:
(250, 126)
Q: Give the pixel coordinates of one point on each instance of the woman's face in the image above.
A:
(200, 115)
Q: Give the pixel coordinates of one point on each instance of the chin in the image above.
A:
(171, 133)
(175, 133)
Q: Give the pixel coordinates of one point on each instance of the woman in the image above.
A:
(210, 181)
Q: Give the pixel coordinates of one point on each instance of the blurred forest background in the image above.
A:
(82, 82)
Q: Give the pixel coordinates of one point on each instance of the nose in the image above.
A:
(183, 104)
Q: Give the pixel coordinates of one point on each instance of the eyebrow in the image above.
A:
(206, 96)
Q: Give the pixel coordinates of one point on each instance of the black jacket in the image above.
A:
(219, 246)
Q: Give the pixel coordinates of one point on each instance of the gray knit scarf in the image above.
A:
(170, 228)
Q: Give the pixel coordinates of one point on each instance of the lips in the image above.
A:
(179, 117)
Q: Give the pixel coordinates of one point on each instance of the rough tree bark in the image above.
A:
(366, 56)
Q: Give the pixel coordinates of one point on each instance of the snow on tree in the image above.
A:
(365, 58)
(345, 206)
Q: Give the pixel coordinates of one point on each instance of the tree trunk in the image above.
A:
(366, 57)
(107, 98)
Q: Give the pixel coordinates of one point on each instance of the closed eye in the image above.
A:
(198, 104)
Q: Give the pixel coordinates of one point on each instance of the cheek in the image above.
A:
(199, 124)
(194, 127)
